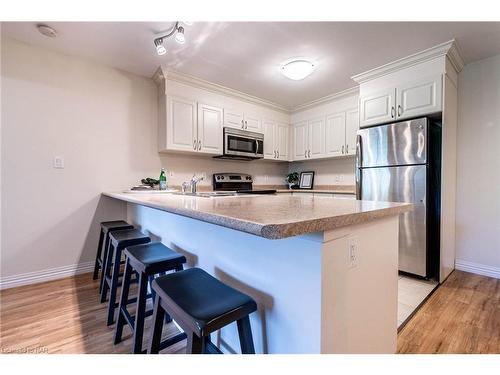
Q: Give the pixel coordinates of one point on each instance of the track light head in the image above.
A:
(179, 37)
(160, 49)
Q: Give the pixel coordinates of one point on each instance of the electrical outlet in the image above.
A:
(266, 178)
(353, 251)
(337, 178)
(58, 162)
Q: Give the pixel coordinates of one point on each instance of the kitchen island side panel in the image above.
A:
(283, 276)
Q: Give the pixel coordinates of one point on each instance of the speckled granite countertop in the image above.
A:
(269, 216)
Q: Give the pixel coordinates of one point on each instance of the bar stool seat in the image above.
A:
(147, 261)
(201, 304)
(119, 240)
(106, 227)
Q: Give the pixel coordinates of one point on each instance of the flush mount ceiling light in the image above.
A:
(297, 69)
(47, 31)
(179, 37)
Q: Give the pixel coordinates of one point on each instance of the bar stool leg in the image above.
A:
(158, 317)
(245, 333)
(107, 271)
(113, 287)
(140, 313)
(104, 260)
(98, 256)
(195, 344)
(123, 303)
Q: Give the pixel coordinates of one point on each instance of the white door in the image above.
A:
(282, 140)
(335, 134)
(316, 134)
(233, 118)
(300, 141)
(377, 108)
(209, 129)
(181, 124)
(420, 97)
(252, 122)
(269, 131)
(351, 129)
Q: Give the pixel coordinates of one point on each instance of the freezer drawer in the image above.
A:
(402, 143)
(402, 184)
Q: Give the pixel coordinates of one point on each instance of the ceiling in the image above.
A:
(246, 56)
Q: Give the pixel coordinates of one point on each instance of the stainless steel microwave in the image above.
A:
(242, 145)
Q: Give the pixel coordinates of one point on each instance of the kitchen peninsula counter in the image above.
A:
(323, 271)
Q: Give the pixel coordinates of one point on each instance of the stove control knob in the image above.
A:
(222, 177)
(218, 177)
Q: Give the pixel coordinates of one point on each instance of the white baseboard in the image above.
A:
(45, 275)
(477, 268)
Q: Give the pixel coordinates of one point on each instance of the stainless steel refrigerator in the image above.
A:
(400, 162)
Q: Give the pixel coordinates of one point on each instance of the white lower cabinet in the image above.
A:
(344, 196)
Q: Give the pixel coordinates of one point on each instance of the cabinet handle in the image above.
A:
(194, 145)
(199, 145)
(309, 153)
(342, 149)
(242, 124)
(399, 110)
(346, 149)
(246, 124)
(305, 153)
(392, 112)
(275, 154)
(278, 155)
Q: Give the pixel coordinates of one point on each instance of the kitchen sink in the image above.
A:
(209, 194)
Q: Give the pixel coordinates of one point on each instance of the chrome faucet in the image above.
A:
(194, 183)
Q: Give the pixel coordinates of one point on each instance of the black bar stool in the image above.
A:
(118, 240)
(147, 260)
(200, 304)
(106, 227)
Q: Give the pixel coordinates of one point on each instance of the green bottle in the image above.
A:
(163, 180)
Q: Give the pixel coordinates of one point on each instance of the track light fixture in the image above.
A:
(179, 37)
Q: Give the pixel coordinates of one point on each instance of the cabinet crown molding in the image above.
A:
(449, 49)
(325, 99)
(163, 74)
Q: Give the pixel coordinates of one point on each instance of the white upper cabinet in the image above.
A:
(283, 141)
(377, 108)
(251, 122)
(351, 129)
(276, 139)
(335, 134)
(233, 118)
(268, 128)
(300, 141)
(181, 124)
(237, 119)
(409, 99)
(316, 138)
(419, 97)
(209, 129)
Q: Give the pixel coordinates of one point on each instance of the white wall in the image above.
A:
(478, 168)
(104, 122)
(338, 171)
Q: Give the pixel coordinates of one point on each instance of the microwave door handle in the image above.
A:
(256, 147)
(359, 157)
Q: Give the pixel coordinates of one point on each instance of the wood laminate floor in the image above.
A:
(64, 316)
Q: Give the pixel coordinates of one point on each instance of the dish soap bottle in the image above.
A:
(163, 180)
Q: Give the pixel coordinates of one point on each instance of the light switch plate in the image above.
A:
(58, 162)
(353, 251)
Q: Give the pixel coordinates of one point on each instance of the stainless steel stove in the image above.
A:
(236, 182)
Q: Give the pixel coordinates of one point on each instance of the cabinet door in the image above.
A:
(420, 97)
(233, 118)
(209, 129)
(351, 129)
(344, 196)
(300, 142)
(316, 134)
(335, 134)
(181, 124)
(252, 122)
(282, 140)
(377, 108)
(269, 131)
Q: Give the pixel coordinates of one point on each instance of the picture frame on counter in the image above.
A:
(306, 180)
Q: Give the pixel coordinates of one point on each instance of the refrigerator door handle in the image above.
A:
(359, 156)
